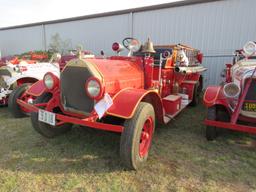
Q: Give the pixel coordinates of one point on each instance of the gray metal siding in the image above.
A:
(217, 28)
(15, 41)
(94, 34)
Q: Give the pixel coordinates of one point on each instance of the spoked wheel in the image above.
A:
(44, 129)
(19, 93)
(137, 136)
(211, 131)
(146, 137)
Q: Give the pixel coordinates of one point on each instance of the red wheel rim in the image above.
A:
(146, 137)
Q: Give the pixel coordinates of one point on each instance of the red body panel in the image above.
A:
(172, 106)
(214, 96)
(125, 102)
(85, 121)
(228, 125)
(128, 73)
(37, 88)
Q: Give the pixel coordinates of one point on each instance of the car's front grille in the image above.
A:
(73, 95)
(250, 99)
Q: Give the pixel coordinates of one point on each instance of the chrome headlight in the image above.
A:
(231, 90)
(249, 48)
(50, 80)
(93, 88)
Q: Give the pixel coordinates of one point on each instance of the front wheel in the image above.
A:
(19, 93)
(44, 129)
(211, 131)
(137, 136)
(196, 94)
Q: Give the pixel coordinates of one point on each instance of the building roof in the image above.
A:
(112, 13)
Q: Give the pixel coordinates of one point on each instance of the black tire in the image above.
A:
(211, 131)
(44, 129)
(196, 93)
(131, 136)
(13, 106)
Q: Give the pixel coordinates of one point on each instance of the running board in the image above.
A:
(169, 117)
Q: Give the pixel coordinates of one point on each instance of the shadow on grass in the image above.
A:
(81, 150)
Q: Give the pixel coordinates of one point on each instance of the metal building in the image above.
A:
(217, 27)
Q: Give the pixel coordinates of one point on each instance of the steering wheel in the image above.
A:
(128, 41)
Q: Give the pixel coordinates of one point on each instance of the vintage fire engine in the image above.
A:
(233, 104)
(124, 94)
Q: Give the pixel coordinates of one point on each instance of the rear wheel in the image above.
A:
(137, 136)
(211, 131)
(44, 129)
(196, 94)
(18, 93)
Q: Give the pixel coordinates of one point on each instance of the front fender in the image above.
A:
(126, 101)
(16, 78)
(36, 89)
(214, 96)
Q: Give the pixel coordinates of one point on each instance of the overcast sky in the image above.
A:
(16, 12)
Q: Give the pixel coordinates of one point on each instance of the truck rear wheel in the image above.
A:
(44, 129)
(13, 106)
(137, 136)
(211, 131)
(196, 94)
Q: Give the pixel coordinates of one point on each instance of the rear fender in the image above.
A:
(37, 89)
(214, 96)
(126, 101)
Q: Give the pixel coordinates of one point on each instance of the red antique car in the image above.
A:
(233, 105)
(124, 94)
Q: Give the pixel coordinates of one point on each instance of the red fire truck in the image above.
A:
(233, 105)
(124, 94)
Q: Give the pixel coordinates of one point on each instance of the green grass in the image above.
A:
(88, 160)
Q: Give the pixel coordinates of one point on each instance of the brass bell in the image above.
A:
(148, 47)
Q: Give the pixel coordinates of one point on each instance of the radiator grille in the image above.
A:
(73, 95)
(250, 97)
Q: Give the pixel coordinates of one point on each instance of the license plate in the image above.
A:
(103, 105)
(249, 106)
(46, 117)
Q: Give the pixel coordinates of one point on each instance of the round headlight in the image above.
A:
(231, 90)
(249, 48)
(48, 81)
(93, 88)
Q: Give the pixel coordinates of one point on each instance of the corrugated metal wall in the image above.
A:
(94, 34)
(14, 41)
(217, 28)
